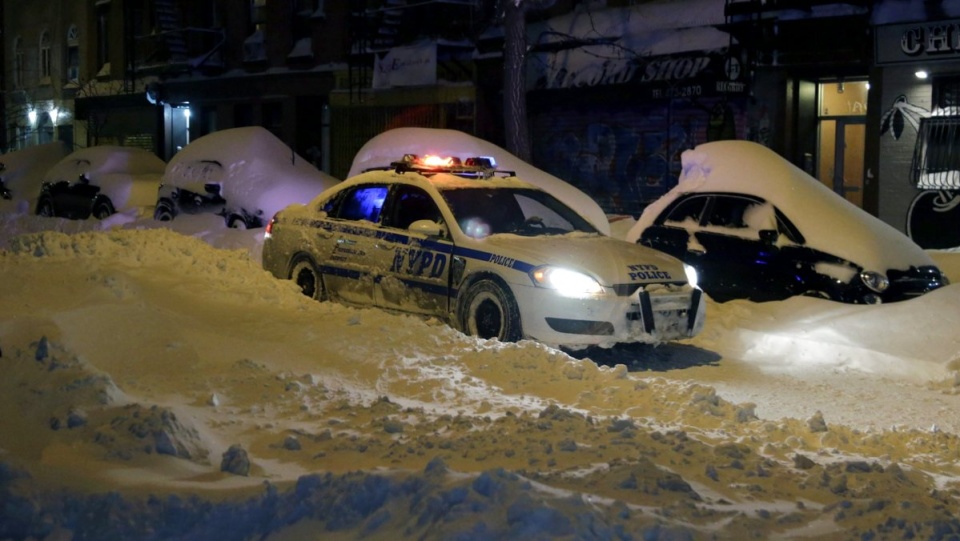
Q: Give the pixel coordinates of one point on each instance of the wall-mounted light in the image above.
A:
(32, 116)
(921, 74)
(54, 114)
(186, 113)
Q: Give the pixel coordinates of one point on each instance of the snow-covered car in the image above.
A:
(21, 174)
(757, 227)
(99, 181)
(383, 149)
(489, 253)
(243, 174)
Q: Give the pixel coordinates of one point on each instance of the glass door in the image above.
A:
(843, 138)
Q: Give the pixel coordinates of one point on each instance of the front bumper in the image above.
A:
(653, 313)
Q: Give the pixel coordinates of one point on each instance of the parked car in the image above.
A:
(243, 174)
(493, 255)
(757, 227)
(99, 181)
(21, 173)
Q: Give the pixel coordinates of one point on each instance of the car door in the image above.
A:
(738, 235)
(353, 225)
(413, 266)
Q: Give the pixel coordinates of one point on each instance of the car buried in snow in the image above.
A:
(494, 256)
(100, 180)
(757, 227)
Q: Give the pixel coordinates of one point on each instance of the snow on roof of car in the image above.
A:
(105, 160)
(254, 168)
(392, 145)
(829, 222)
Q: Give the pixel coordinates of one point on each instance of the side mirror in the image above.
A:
(769, 236)
(427, 227)
(212, 188)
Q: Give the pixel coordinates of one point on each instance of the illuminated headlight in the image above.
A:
(566, 282)
(875, 281)
(691, 273)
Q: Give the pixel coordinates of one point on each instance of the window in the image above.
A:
(362, 203)
(73, 54)
(689, 209)
(45, 56)
(18, 62)
(936, 158)
(729, 212)
(409, 205)
(103, 36)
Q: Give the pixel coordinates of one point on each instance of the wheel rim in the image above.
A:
(486, 319)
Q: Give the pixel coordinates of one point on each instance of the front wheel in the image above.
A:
(488, 311)
(102, 209)
(306, 275)
(164, 211)
(235, 221)
(45, 208)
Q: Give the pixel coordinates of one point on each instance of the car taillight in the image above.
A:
(268, 231)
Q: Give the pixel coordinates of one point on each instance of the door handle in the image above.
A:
(348, 242)
(385, 245)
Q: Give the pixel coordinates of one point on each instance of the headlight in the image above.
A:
(875, 281)
(691, 273)
(567, 282)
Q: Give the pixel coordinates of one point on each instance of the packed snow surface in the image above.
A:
(159, 384)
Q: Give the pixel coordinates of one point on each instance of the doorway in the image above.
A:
(842, 138)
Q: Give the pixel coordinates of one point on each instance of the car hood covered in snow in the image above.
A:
(255, 170)
(392, 145)
(611, 261)
(23, 171)
(828, 222)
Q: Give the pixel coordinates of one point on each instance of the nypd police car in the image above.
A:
(491, 254)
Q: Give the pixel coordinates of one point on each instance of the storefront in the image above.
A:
(919, 155)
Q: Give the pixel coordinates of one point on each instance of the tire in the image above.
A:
(487, 310)
(235, 221)
(307, 276)
(164, 211)
(45, 208)
(102, 209)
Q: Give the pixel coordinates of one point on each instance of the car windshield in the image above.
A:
(522, 211)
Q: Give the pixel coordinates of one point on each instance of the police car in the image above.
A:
(491, 254)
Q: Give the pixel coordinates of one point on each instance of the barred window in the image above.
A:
(936, 158)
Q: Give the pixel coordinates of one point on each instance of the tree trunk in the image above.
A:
(514, 84)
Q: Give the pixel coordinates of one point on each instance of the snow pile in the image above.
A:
(157, 386)
(392, 145)
(255, 170)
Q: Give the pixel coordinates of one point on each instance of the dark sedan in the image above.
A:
(756, 227)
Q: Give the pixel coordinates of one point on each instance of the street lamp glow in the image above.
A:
(186, 113)
(921, 74)
(32, 116)
(54, 114)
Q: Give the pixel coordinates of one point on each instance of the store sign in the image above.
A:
(406, 66)
(706, 73)
(914, 42)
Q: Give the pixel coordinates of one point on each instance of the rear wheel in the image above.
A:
(488, 311)
(306, 275)
(102, 209)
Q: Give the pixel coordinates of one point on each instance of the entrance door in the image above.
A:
(842, 143)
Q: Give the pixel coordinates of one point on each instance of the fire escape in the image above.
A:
(164, 43)
(803, 34)
(376, 26)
